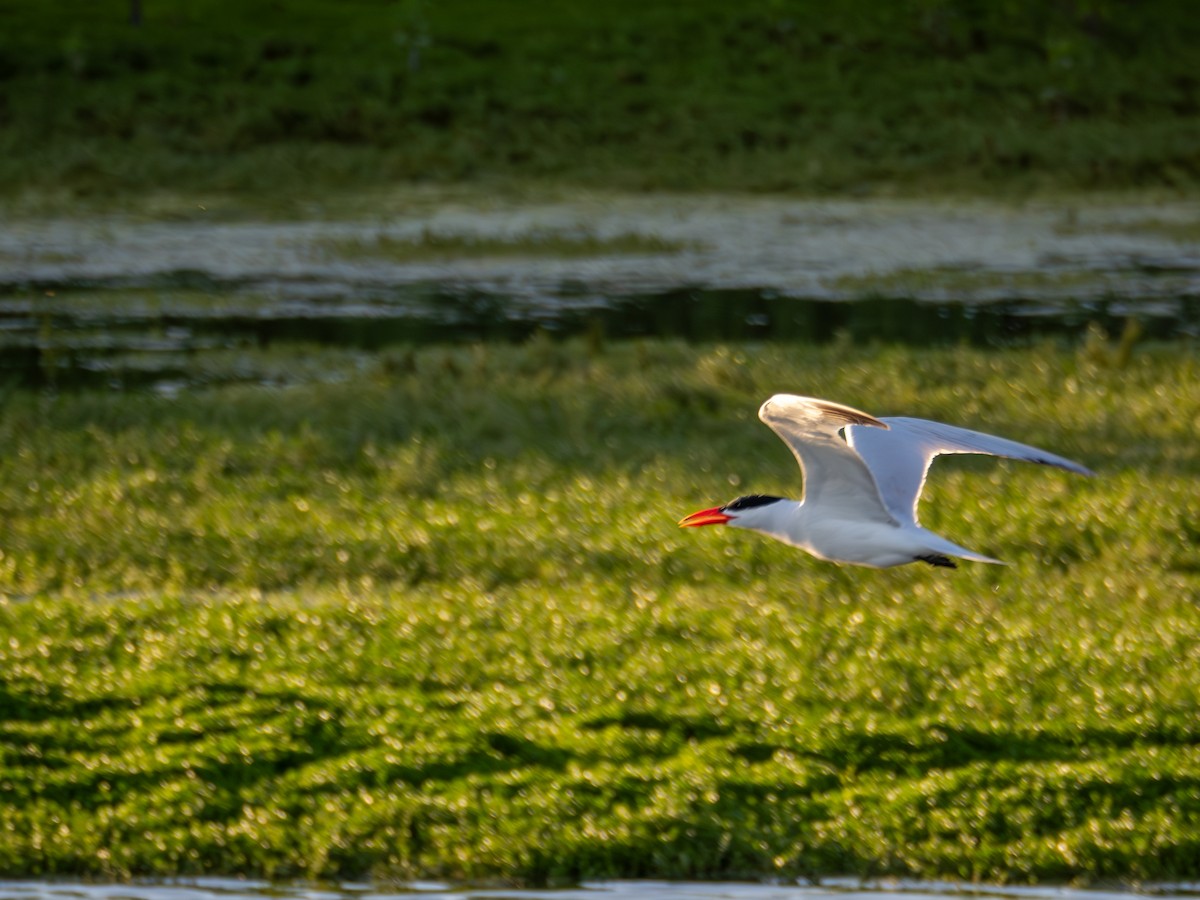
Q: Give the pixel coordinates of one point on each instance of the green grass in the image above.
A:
(437, 619)
(211, 96)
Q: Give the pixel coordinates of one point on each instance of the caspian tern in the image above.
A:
(862, 481)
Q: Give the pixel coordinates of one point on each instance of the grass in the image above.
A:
(212, 97)
(437, 619)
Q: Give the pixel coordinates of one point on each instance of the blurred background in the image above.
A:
(493, 169)
(767, 95)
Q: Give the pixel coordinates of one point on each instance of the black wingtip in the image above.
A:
(937, 559)
(1058, 463)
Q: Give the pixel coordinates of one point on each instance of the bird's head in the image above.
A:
(756, 511)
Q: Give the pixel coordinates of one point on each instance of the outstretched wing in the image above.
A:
(835, 476)
(899, 458)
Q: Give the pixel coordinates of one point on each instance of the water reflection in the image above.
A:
(127, 341)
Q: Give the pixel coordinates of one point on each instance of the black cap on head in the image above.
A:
(749, 502)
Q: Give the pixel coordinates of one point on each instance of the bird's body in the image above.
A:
(863, 477)
(858, 541)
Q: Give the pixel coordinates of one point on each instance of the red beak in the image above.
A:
(712, 516)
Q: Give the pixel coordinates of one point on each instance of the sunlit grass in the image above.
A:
(437, 619)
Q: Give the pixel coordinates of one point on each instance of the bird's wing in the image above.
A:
(899, 458)
(835, 477)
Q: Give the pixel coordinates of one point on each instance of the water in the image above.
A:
(840, 888)
(148, 339)
(823, 250)
(124, 303)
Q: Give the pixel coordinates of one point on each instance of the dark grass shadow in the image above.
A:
(685, 727)
(945, 747)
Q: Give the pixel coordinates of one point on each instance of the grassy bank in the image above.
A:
(212, 95)
(436, 619)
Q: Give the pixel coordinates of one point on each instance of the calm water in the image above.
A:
(144, 339)
(841, 889)
(118, 301)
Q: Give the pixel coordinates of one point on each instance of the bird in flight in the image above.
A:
(862, 482)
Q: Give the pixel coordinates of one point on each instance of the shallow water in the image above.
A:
(840, 888)
(799, 248)
(128, 303)
(165, 341)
